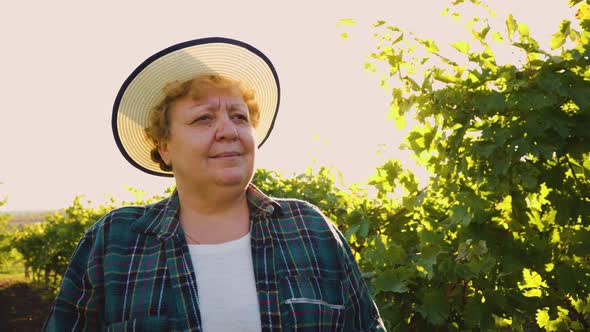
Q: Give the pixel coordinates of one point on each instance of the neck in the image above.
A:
(211, 201)
(214, 216)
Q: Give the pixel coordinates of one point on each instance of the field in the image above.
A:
(498, 237)
(21, 218)
(24, 305)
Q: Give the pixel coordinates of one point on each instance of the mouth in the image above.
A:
(226, 155)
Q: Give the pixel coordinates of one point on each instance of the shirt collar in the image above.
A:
(161, 218)
(259, 203)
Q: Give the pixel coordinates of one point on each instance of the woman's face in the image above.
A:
(211, 141)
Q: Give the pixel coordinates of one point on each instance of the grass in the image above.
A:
(14, 274)
(24, 304)
(12, 270)
(18, 276)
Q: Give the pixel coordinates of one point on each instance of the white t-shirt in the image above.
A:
(228, 300)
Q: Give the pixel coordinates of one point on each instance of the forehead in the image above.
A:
(213, 99)
(206, 92)
(217, 95)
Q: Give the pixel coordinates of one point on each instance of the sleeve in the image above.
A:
(361, 311)
(77, 306)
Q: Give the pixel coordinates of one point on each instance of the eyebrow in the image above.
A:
(240, 105)
(199, 107)
(211, 107)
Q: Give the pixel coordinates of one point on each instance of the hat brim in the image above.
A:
(143, 90)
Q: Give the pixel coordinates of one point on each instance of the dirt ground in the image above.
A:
(22, 306)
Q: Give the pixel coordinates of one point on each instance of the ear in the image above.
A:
(164, 152)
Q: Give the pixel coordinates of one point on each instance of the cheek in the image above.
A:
(250, 139)
(196, 138)
(252, 142)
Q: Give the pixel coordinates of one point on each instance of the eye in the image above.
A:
(202, 118)
(240, 117)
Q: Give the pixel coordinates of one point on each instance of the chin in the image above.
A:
(233, 179)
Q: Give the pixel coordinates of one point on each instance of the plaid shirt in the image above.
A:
(132, 271)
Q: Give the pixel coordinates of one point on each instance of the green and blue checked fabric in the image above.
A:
(132, 271)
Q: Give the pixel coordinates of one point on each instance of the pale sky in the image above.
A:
(64, 61)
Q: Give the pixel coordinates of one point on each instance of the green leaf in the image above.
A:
(481, 35)
(532, 284)
(558, 38)
(580, 96)
(461, 46)
(542, 318)
(410, 83)
(393, 281)
(511, 26)
(417, 141)
(501, 228)
(434, 307)
(478, 314)
(379, 23)
(352, 229)
(364, 230)
(497, 37)
(428, 258)
(567, 278)
(529, 180)
(580, 243)
(370, 67)
(535, 292)
(523, 30)
(459, 214)
(397, 253)
(427, 83)
(430, 45)
(532, 279)
(394, 113)
(535, 219)
(346, 22)
(492, 103)
(550, 82)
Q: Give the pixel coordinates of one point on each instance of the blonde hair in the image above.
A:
(158, 129)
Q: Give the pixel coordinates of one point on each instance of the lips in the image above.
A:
(226, 155)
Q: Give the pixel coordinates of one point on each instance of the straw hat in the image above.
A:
(142, 90)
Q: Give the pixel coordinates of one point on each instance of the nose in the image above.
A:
(227, 129)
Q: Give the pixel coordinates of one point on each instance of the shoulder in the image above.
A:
(124, 222)
(119, 217)
(295, 208)
(302, 216)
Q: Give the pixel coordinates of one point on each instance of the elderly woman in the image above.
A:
(218, 254)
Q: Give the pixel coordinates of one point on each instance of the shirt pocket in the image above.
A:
(310, 303)
(147, 324)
